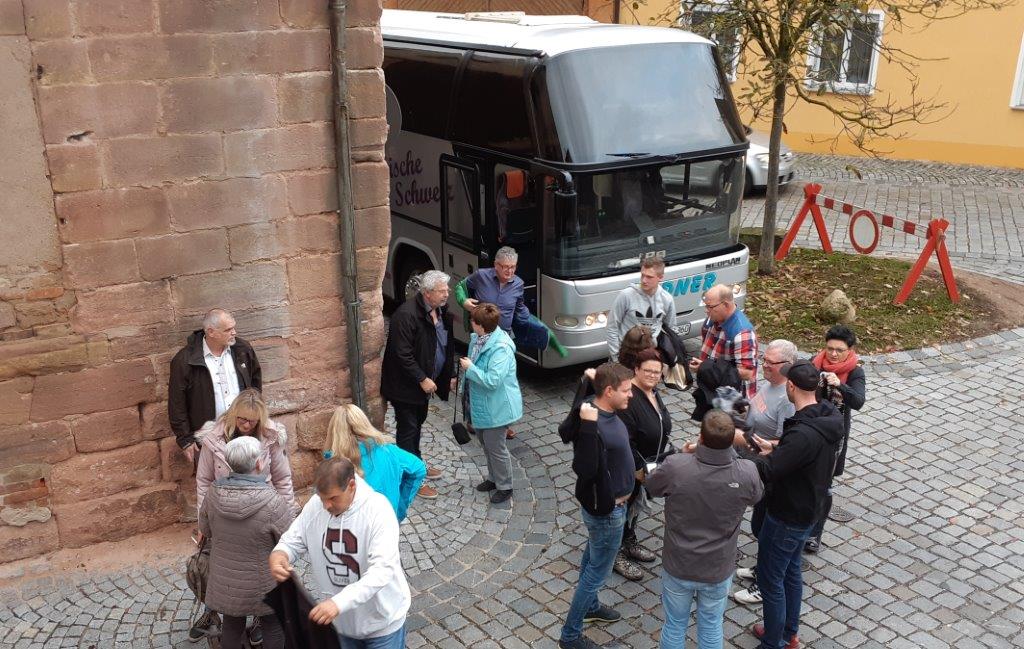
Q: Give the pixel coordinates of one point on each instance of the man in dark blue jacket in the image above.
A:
(605, 475)
(797, 472)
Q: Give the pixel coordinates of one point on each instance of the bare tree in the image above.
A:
(815, 51)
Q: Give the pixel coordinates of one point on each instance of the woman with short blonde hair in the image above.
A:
(391, 471)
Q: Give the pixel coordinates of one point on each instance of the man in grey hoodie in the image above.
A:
(644, 304)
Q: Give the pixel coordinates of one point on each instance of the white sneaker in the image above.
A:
(750, 596)
(747, 574)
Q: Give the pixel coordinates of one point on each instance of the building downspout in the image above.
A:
(346, 213)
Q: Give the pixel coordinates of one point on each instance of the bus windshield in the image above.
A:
(679, 212)
(627, 102)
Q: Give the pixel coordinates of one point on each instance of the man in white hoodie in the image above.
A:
(646, 303)
(350, 535)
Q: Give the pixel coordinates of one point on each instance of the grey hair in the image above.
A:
(507, 252)
(213, 318)
(432, 279)
(785, 348)
(242, 453)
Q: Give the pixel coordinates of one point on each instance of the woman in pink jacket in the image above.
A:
(247, 416)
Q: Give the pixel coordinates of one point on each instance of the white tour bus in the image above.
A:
(584, 146)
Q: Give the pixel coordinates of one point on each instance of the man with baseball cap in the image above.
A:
(796, 470)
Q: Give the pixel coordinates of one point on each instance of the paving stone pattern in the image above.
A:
(934, 557)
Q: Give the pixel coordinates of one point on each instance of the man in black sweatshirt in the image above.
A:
(603, 463)
(796, 471)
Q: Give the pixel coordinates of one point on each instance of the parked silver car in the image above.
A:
(701, 174)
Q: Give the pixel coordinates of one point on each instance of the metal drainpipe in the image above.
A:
(346, 214)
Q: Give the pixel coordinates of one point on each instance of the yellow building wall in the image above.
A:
(975, 78)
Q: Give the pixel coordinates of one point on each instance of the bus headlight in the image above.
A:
(567, 321)
(739, 289)
(600, 318)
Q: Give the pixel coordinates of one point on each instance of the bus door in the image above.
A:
(460, 225)
(516, 217)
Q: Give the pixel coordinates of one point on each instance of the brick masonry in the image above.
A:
(170, 156)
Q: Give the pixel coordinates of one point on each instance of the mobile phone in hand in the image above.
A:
(749, 437)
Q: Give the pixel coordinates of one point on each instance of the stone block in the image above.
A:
(173, 255)
(63, 61)
(35, 443)
(21, 542)
(100, 263)
(363, 14)
(304, 465)
(103, 111)
(12, 20)
(364, 48)
(304, 14)
(366, 93)
(74, 167)
(311, 431)
(150, 57)
(273, 355)
(317, 233)
(295, 395)
(286, 320)
(367, 133)
(240, 288)
(222, 104)
(373, 226)
(374, 332)
(100, 17)
(22, 475)
(15, 400)
(7, 316)
(34, 356)
(174, 465)
(93, 390)
(312, 277)
(21, 504)
(272, 52)
(127, 305)
(317, 353)
(370, 185)
(305, 97)
(155, 424)
(155, 160)
(291, 148)
(112, 214)
(47, 18)
(228, 202)
(370, 264)
(94, 475)
(103, 431)
(313, 192)
(220, 16)
(119, 516)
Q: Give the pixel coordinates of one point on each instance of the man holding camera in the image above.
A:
(797, 470)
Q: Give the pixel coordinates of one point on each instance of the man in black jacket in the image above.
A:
(797, 472)
(603, 463)
(418, 362)
(206, 376)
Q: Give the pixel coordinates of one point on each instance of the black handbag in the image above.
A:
(459, 430)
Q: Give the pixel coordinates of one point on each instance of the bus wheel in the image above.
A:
(407, 282)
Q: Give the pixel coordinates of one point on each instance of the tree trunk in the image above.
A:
(766, 255)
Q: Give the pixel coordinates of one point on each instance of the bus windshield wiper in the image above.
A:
(628, 155)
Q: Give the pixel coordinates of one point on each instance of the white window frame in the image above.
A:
(1017, 92)
(686, 9)
(844, 87)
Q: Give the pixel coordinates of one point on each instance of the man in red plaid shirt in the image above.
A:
(727, 334)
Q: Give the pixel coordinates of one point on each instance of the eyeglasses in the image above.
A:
(711, 307)
(765, 361)
(243, 420)
(837, 350)
(650, 372)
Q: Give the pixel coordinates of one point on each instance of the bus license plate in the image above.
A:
(683, 329)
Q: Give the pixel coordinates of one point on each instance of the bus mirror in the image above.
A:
(565, 206)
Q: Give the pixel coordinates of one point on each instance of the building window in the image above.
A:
(713, 23)
(1017, 97)
(845, 59)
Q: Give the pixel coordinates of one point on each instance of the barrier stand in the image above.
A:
(934, 234)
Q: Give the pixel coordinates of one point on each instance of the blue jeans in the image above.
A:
(677, 599)
(394, 640)
(605, 537)
(779, 555)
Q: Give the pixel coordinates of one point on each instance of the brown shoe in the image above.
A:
(433, 473)
(510, 434)
(427, 492)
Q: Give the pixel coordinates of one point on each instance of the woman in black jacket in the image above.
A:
(649, 424)
(844, 384)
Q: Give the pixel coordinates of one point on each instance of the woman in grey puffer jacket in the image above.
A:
(243, 517)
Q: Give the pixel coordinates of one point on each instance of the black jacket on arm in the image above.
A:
(648, 433)
(190, 399)
(798, 473)
(854, 393)
(409, 353)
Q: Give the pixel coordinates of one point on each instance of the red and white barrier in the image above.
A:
(864, 232)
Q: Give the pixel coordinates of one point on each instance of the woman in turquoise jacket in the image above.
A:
(391, 471)
(492, 400)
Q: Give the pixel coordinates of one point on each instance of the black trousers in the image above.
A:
(233, 632)
(409, 418)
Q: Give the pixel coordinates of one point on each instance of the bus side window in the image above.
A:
(514, 206)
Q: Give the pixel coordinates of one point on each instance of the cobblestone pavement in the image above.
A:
(934, 557)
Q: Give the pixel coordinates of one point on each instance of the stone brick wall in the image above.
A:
(162, 157)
